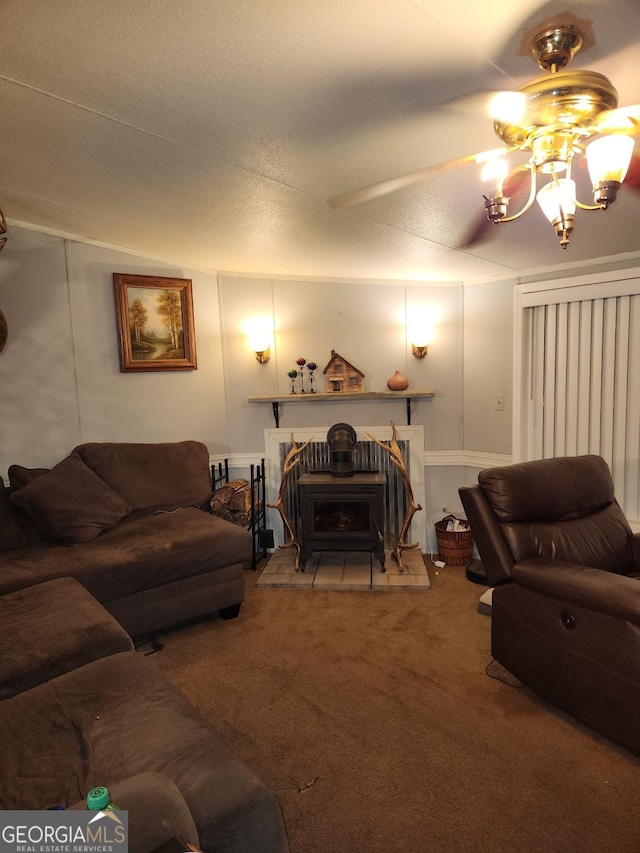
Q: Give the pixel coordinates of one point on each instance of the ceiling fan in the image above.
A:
(553, 118)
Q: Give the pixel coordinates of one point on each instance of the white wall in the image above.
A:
(40, 419)
(488, 366)
(365, 323)
(60, 380)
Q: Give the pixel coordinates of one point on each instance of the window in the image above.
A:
(579, 376)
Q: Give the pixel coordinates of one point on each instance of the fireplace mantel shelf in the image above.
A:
(335, 397)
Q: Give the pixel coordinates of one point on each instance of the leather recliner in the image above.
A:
(564, 564)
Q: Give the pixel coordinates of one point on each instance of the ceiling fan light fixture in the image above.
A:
(558, 202)
(493, 174)
(550, 119)
(608, 159)
(563, 111)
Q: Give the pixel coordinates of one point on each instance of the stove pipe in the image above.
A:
(341, 439)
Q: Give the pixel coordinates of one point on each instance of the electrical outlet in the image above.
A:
(499, 405)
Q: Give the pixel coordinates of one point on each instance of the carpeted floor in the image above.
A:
(372, 718)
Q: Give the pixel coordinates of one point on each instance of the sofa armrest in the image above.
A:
(157, 811)
(582, 586)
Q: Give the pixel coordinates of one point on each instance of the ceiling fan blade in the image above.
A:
(358, 196)
(625, 120)
(478, 232)
(632, 179)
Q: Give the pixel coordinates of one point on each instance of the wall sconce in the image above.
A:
(259, 336)
(263, 355)
(420, 339)
(421, 329)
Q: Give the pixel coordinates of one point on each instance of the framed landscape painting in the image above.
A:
(155, 323)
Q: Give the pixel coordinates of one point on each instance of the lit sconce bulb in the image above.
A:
(259, 339)
(421, 330)
(420, 343)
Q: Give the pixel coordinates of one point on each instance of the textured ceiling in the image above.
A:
(212, 132)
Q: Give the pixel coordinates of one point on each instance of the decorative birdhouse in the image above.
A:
(342, 376)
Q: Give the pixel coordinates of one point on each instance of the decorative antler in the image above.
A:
(3, 230)
(291, 460)
(397, 459)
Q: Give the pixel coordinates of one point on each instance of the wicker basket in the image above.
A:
(455, 547)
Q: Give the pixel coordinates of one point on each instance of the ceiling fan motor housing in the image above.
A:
(566, 101)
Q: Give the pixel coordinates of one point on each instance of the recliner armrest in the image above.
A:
(496, 557)
(583, 586)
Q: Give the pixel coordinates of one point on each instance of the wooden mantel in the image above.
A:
(336, 397)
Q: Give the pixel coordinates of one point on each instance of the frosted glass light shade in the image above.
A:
(558, 198)
(422, 337)
(608, 158)
(259, 343)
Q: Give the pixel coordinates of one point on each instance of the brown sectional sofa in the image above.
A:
(115, 537)
(81, 708)
(130, 522)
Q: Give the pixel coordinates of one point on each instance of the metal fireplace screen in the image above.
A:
(367, 457)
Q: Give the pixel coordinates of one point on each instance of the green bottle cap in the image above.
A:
(98, 798)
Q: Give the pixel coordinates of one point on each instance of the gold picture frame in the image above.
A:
(154, 315)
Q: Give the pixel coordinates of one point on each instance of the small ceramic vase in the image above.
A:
(398, 382)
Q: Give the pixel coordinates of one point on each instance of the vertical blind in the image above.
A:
(584, 385)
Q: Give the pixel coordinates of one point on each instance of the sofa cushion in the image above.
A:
(134, 555)
(71, 502)
(153, 476)
(11, 534)
(18, 478)
(72, 630)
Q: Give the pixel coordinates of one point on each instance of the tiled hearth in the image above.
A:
(345, 570)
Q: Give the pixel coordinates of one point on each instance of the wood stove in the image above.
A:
(342, 513)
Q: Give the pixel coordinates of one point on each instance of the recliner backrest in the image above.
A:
(562, 508)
